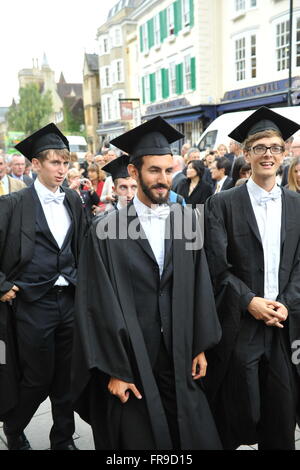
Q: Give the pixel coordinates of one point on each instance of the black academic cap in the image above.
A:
(150, 138)
(261, 120)
(49, 137)
(118, 167)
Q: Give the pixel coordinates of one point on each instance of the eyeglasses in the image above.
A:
(262, 149)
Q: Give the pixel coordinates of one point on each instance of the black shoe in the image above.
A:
(70, 446)
(17, 441)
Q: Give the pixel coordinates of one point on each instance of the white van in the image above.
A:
(217, 132)
(78, 144)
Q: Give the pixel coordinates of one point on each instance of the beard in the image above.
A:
(147, 191)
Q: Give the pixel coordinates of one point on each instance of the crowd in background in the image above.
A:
(197, 175)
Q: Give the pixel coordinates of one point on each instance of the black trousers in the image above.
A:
(135, 427)
(44, 336)
(258, 399)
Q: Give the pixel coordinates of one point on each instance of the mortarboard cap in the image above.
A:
(118, 167)
(261, 120)
(150, 138)
(49, 137)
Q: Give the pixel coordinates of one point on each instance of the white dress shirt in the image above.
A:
(268, 217)
(153, 222)
(57, 217)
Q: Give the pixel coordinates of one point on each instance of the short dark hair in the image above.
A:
(223, 162)
(198, 165)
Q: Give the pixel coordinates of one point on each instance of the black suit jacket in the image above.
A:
(228, 184)
(17, 239)
(177, 179)
(236, 261)
(200, 194)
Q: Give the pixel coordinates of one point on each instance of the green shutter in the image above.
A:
(141, 39)
(152, 87)
(165, 83)
(179, 79)
(143, 90)
(193, 73)
(163, 25)
(192, 20)
(177, 16)
(150, 26)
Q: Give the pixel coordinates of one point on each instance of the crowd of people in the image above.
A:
(116, 303)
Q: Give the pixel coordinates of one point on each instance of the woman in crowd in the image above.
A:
(294, 175)
(241, 169)
(194, 190)
(97, 178)
(89, 197)
(222, 150)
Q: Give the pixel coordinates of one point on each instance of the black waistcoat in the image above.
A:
(48, 261)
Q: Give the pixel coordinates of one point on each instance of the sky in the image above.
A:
(62, 29)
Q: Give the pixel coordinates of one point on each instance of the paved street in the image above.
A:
(37, 432)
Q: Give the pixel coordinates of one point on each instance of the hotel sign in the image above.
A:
(261, 90)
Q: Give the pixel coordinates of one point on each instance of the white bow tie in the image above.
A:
(272, 196)
(161, 212)
(58, 199)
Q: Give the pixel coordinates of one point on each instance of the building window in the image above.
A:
(119, 71)
(147, 89)
(172, 78)
(253, 3)
(170, 20)
(240, 59)
(186, 12)
(253, 56)
(108, 108)
(106, 77)
(99, 113)
(298, 43)
(145, 47)
(156, 23)
(282, 45)
(187, 73)
(118, 37)
(240, 5)
(105, 45)
(158, 80)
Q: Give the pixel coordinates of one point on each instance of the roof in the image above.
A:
(92, 62)
(120, 5)
(69, 89)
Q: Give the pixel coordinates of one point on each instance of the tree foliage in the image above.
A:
(32, 112)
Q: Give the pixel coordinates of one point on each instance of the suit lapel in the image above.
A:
(41, 219)
(246, 210)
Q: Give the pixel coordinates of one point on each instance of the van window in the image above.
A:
(78, 148)
(208, 140)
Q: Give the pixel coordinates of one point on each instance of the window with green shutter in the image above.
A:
(152, 87)
(163, 24)
(150, 27)
(192, 20)
(141, 39)
(143, 90)
(179, 79)
(165, 83)
(193, 73)
(177, 16)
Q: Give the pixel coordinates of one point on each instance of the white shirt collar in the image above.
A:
(257, 192)
(41, 189)
(142, 209)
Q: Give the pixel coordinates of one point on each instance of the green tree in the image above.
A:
(32, 112)
(73, 116)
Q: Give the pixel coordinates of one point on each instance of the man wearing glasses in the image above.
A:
(253, 249)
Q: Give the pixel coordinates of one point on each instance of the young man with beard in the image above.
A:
(253, 250)
(40, 234)
(142, 326)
